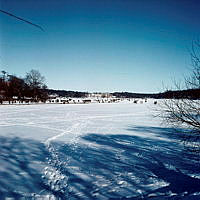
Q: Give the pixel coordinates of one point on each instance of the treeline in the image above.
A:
(30, 88)
(189, 94)
(33, 88)
(64, 93)
(179, 94)
(131, 95)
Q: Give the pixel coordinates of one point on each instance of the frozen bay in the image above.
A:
(93, 151)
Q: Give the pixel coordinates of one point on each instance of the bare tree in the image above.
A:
(194, 80)
(4, 74)
(184, 111)
(36, 83)
(16, 87)
(34, 79)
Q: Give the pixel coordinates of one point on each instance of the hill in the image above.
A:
(191, 93)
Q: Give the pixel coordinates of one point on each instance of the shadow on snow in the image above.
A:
(104, 167)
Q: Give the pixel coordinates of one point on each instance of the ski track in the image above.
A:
(69, 129)
(72, 129)
(78, 125)
(53, 173)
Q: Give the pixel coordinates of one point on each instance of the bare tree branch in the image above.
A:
(24, 20)
(184, 111)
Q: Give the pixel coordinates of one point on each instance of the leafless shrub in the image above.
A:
(184, 111)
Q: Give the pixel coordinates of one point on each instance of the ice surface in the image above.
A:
(92, 151)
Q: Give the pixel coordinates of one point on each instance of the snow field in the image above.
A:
(92, 151)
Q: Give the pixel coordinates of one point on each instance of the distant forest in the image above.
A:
(180, 94)
(33, 88)
(64, 93)
(191, 94)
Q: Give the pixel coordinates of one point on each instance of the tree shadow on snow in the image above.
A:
(104, 167)
(21, 166)
(131, 167)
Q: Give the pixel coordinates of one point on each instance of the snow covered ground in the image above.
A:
(93, 151)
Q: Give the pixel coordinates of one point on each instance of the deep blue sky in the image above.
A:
(100, 45)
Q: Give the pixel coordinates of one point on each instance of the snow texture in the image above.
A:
(93, 151)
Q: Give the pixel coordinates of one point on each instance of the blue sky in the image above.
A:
(100, 45)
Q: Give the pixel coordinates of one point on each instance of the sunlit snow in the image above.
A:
(93, 151)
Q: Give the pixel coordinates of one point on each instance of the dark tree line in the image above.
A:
(64, 93)
(30, 88)
(169, 94)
